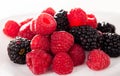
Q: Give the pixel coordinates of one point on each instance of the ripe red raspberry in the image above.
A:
(45, 24)
(77, 54)
(98, 60)
(61, 41)
(49, 10)
(40, 42)
(38, 61)
(62, 63)
(11, 28)
(25, 21)
(25, 32)
(32, 26)
(77, 17)
(91, 20)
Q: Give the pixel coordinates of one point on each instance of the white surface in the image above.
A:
(8, 68)
(15, 7)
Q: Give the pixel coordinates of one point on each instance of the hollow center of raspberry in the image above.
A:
(90, 16)
(22, 51)
(46, 21)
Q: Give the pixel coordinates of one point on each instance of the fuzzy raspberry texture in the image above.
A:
(77, 54)
(40, 42)
(98, 60)
(62, 63)
(38, 61)
(61, 41)
(11, 28)
(77, 17)
(50, 11)
(25, 31)
(91, 20)
(45, 24)
(25, 21)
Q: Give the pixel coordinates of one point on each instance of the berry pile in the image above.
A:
(58, 41)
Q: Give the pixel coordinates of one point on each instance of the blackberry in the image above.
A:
(111, 44)
(62, 20)
(106, 27)
(17, 50)
(86, 36)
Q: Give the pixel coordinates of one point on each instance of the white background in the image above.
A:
(16, 7)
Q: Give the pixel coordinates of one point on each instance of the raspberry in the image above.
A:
(32, 26)
(38, 61)
(25, 21)
(91, 20)
(77, 54)
(25, 32)
(61, 41)
(11, 28)
(77, 17)
(40, 42)
(98, 60)
(45, 24)
(49, 10)
(62, 63)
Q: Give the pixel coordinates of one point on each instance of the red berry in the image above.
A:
(25, 21)
(11, 28)
(25, 32)
(40, 42)
(61, 41)
(49, 10)
(32, 26)
(77, 54)
(38, 61)
(45, 24)
(77, 17)
(62, 63)
(98, 60)
(91, 20)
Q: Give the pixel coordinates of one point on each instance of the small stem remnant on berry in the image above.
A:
(22, 51)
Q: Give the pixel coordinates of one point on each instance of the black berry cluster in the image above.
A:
(62, 20)
(17, 50)
(105, 27)
(111, 44)
(86, 36)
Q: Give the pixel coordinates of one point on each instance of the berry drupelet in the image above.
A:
(62, 20)
(105, 27)
(111, 44)
(17, 50)
(88, 37)
(97, 60)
